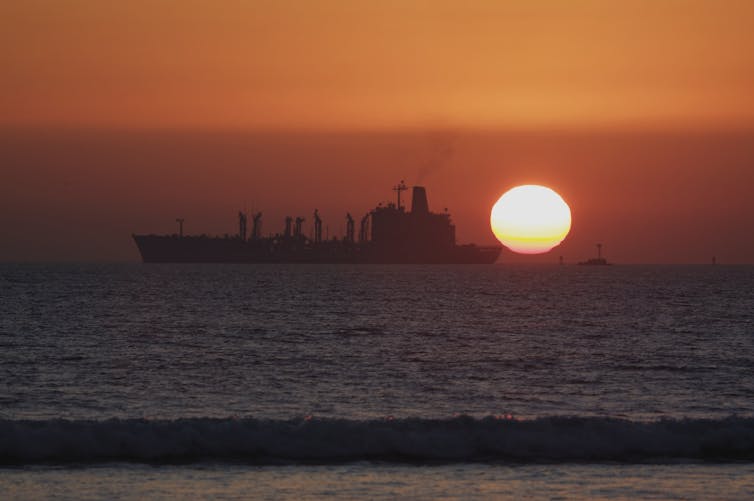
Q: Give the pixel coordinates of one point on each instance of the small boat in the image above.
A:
(596, 261)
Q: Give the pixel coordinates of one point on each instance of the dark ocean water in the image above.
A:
(268, 374)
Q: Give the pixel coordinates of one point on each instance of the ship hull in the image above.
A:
(192, 249)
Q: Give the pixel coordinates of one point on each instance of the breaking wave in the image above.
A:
(458, 439)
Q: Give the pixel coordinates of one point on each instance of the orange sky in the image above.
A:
(365, 64)
(118, 116)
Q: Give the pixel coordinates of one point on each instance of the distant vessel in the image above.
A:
(387, 234)
(596, 261)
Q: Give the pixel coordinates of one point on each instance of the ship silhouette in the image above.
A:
(387, 234)
(596, 261)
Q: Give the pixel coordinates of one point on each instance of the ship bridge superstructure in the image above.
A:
(418, 230)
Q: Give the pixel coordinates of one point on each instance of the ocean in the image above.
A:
(438, 382)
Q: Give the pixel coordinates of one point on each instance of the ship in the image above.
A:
(388, 234)
(596, 261)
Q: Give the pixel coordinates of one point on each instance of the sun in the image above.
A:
(530, 219)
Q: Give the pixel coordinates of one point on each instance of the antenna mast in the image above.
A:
(180, 226)
(398, 189)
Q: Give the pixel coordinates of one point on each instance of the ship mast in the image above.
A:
(180, 226)
(256, 229)
(317, 227)
(349, 227)
(398, 189)
(297, 228)
(364, 228)
(242, 225)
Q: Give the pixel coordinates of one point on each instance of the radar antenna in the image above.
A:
(398, 189)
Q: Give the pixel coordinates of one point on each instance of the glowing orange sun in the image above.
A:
(530, 219)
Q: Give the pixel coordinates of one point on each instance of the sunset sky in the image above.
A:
(118, 117)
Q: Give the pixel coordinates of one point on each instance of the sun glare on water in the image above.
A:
(530, 219)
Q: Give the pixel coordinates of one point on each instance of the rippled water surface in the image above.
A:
(369, 352)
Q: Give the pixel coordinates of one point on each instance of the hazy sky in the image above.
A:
(116, 117)
(318, 63)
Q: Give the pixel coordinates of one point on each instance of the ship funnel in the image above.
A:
(419, 203)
